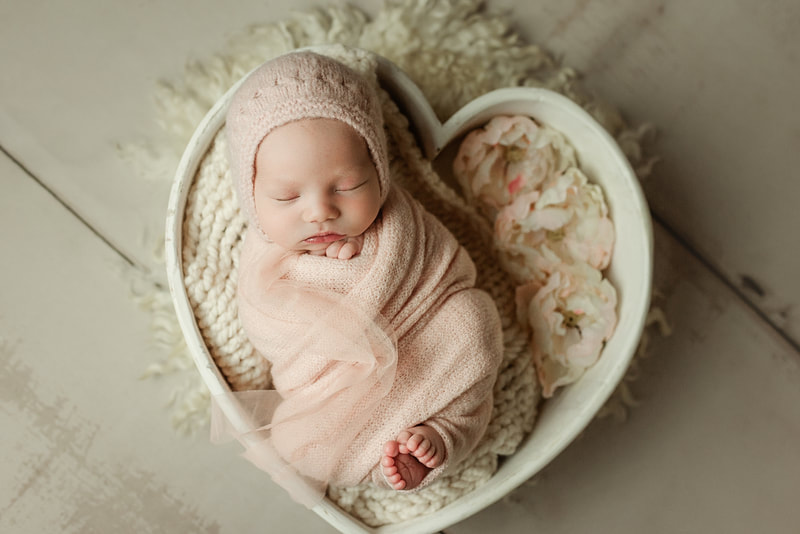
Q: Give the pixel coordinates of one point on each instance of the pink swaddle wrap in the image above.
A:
(329, 328)
(361, 349)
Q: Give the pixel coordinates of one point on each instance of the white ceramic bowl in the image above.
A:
(564, 416)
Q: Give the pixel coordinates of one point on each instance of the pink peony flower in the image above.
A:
(569, 217)
(571, 315)
(509, 156)
(528, 264)
(554, 236)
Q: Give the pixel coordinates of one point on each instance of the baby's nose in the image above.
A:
(320, 210)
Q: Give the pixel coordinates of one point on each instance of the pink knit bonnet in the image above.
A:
(292, 87)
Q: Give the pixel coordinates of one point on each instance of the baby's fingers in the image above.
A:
(348, 250)
(334, 249)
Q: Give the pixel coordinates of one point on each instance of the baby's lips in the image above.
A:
(324, 237)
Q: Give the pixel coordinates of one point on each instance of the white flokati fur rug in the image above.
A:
(455, 52)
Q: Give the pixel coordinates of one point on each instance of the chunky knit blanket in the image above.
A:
(455, 52)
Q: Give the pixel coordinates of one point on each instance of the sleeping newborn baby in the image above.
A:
(383, 354)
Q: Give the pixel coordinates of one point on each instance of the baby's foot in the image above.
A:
(408, 459)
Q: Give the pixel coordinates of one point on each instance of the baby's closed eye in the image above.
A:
(350, 186)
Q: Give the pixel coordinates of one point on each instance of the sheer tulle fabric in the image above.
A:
(342, 361)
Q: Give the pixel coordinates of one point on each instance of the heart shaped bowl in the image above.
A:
(565, 415)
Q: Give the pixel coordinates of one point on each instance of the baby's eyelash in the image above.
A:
(340, 190)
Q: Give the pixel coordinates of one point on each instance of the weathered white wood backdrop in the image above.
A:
(88, 447)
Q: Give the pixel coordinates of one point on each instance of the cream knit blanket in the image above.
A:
(455, 52)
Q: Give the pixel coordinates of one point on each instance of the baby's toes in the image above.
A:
(424, 450)
(414, 442)
(421, 448)
(388, 465)
(391, 449)
(395, 480)
(392, 478)
(428, 456)
(436, 457)
(402, 441)
(432, 461)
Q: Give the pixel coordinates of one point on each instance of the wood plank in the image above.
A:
(722, 390)
(86, 445)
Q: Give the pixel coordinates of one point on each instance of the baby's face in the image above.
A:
(315, 184)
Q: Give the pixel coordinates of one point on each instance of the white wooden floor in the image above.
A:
(88, 447)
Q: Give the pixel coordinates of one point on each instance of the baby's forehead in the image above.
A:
(316, 134)
(320, 146)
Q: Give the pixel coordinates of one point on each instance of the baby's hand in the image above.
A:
(344, 249)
